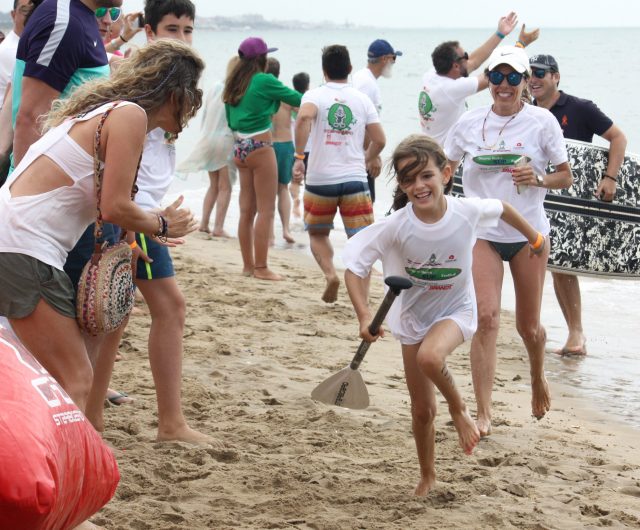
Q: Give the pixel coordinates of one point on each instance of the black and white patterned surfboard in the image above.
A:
(589, 236)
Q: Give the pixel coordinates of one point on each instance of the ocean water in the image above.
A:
(594, 63)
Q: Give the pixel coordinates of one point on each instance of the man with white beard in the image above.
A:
(380, 60)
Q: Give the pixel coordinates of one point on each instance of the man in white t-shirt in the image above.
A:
(337, 116)
(445, 88)
(380, 60)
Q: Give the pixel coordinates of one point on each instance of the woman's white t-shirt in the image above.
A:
(436, 258)
(534, 133)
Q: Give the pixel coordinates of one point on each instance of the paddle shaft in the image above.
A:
(394, 290)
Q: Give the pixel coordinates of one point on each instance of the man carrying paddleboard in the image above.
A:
(579, 119)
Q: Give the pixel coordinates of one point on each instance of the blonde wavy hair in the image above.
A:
(152, 75)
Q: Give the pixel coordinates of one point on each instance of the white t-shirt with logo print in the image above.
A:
(337, 134)
(533, 133)
(442, 101)
(436, 257)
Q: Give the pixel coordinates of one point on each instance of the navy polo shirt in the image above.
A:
(61, 46)
(579, 118)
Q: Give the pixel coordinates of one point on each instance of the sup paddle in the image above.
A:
(346, 388)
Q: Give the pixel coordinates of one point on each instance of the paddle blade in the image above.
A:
(343, 389)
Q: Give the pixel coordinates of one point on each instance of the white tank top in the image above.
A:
(48, 225)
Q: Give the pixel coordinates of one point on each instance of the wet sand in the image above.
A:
(254, 350)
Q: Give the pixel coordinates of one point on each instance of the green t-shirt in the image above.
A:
(260, 101)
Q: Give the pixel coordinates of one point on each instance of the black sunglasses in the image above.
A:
(539, 72)
(513, 78)
(465, 57)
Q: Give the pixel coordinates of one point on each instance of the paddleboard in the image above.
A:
(589, 236)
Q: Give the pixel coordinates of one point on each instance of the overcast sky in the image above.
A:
(426, 13)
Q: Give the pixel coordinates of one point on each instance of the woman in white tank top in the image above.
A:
(50, 198)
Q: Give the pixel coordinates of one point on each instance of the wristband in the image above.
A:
(133, 244)
(123, 39)
(520, 44)
(299, 156)
(537, 246)
(500, 35)
(605, 176)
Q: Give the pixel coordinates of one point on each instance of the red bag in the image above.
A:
(55, 470)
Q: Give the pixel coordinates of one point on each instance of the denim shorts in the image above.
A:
(82, 252)
(25, 280)
(162, 266)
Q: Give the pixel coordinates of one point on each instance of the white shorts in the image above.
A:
(466, 318)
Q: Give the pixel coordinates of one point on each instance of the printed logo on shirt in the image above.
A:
(504, 159)
(565, 121)
(425, 106)
(434, 274)
(340, 117)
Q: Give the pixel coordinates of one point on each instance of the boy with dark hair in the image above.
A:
(155, 12)
(337, 116)
(172, 19)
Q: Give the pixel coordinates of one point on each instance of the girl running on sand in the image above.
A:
(429, 239)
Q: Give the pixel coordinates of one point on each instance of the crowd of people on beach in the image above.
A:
(119, 113)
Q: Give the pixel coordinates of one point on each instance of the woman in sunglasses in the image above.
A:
(507, 147)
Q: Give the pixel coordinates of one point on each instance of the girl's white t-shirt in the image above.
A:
(436, 258)
(337, 134)
(534, 133)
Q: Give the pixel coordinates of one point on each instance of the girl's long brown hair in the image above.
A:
(152, 75)
(238, 80)
(418, 149)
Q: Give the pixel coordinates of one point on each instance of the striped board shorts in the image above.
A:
(352, 198)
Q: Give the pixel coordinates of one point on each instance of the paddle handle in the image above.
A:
(396, 285)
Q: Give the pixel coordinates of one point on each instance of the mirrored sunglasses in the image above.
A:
(513, 78)
(114, 12)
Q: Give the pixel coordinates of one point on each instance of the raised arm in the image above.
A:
(481, 54)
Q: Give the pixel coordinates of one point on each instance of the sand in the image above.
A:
(254, 350)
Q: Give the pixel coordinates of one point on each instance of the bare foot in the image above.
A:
(265, 273)
(424, 486)
(288, 237)
(296, 208)
(468, 432)
(188, 435)
(331, 290)
(248, 272)
(220, 233)
(88, 525)
(484, 426)
(204, 229)
(540, 398)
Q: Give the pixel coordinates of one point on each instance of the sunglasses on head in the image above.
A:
(465, 57)
(114, 12)
(513, 78)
